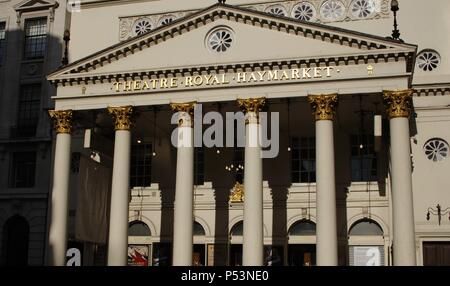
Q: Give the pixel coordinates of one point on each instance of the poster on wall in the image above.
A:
(367, 256)
(137, 255)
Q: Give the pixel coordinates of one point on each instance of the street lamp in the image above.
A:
(439, 212)
(66, 38)
(396, 31)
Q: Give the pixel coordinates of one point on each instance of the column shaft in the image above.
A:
(326, 231)
(120, 198)
(402, 198)
(399, 105)
(60, 201)
(184, 186)
(327, 252)
(253, 247)
(120, 188)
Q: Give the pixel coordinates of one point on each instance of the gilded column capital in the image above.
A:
(62, 120)
(324, 105)
(123, 117)
(186, 112)
(187, 107)
(398, 102)
(252, 104)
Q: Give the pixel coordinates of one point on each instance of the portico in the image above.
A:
(320, 65)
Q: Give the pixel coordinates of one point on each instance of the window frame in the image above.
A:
(365, 175)
(25, 122)
(199, 166)
(3, 40)
(15, 168)
(141, 178)
(35, 54)
(310, 149)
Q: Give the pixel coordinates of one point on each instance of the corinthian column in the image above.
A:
(324, 111)
(253, 247)
(184, 188)
(398, 105)
(120, 189)
(60, 189)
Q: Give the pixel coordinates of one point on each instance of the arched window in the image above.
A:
(198, 229)
(237, 229)
(303, 227)
(16, 233)
(366, 244)
(138, 228)
(366, 227)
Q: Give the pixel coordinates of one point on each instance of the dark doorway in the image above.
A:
(16, 233)
(436, 253)
(302, 255)
(162, 254)
(236, 255)
(199, 255)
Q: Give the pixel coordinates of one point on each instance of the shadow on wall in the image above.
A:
(279, 223)
(24, 115)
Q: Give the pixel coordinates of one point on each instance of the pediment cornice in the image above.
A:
(369, 48)
(33, 5)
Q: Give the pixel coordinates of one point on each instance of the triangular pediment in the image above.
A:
(34, 5)
(258, 39)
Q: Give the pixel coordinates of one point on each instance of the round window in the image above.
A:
(165, 20)
(428, 60)
(277, 10)
(220, 40)
(363, 8)
(332, 10)
(304, 11)
(436, 149)
(142, 26)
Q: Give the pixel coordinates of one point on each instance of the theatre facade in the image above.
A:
(361, 156)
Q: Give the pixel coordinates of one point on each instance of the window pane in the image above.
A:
(199, 168)
(363, 158)
(303, 159)
(141, 165)
(22, 171)
(2, 40)
(29, 110)
(35, 38)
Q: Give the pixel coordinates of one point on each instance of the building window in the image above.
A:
(365, 244)
(29, 106)
(166, 20)
(22, 170)
(2, 40)
(363, 8)
(142, 26)
(220, 40)
(304, 11)
(303, 158)
(436, 149)
(35, 38)
(199, 166)
(363, 158)
(332, 10)
(277, 10)
(428, 60)
(141, 165)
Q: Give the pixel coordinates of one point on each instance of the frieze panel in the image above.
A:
(316, 11)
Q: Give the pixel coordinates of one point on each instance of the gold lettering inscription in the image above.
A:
(315, 73)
